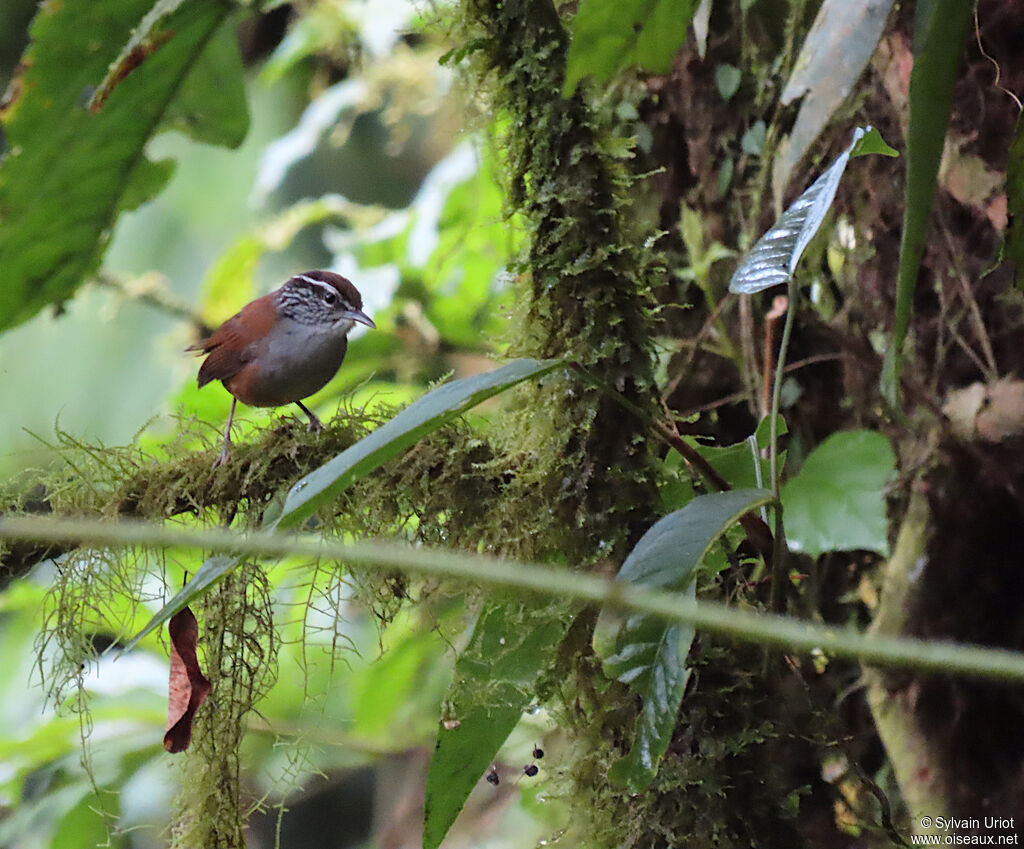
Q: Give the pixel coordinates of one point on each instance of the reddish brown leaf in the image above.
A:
(188, 686)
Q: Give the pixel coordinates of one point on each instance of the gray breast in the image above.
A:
(299, 361)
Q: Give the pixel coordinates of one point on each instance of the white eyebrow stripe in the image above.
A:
(327, 287)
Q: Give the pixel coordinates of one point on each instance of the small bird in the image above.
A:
(284, 346)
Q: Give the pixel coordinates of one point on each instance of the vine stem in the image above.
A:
(778, 594)
(780, 632)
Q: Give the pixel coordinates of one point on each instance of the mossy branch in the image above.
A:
(769, 630)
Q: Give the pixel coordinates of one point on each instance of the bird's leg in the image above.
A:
(225, 450)
(315, 425)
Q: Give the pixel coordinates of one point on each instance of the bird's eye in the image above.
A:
(330, 298)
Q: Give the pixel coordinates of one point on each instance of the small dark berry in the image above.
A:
(538, 752)
(492, 777)
(530, 770)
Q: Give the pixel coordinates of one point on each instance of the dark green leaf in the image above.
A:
(610, 35)
(940, 28)
(673, 547)
(648, 654)
(66, 172)
(430, 412)
(837, 501)
(513, 643)
(741, 464)
(653, 663)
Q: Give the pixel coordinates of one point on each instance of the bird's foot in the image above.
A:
(315, 425)
(225, 454)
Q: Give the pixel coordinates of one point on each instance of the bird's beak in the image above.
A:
(359, 316)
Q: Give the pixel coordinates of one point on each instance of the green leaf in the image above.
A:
(430, 412)
(737, 463)
(940, 28)
(775, 256)
(727, 78)
(674, 546)
(648, 654)
(872, 142)
(513, 643)
(609, 35)
(652, 661)
(148, 179)
(211, 106)
(837, 501)
(148, 37)
(753, 139)
(436, 408)
(395, 698)
(88, 822)
(66, 172)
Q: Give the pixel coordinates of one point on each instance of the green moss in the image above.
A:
(240, 647)
(586, 290)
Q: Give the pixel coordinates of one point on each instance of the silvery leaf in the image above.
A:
(775, 256)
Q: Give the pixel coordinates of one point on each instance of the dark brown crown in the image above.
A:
(348, 292)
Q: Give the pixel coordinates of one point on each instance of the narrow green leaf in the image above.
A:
(209, 574)
(66, 170)
(940, 28)
(430, 412)
(610, 35)
(513, 643)
(648, 654)
(837, 501)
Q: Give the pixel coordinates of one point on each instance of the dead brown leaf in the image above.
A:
(188, 686)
